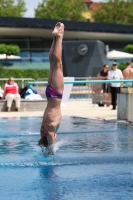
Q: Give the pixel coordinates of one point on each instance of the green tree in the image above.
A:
(114, 11)
(129, 48)
(12, 8)
(9, 49)
(61, 10)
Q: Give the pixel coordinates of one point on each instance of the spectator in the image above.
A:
(11, 92)
(128, 73)
(115, 87)
(106, 88)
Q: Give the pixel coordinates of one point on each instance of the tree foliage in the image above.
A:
(61, 10)
(122, 66)
(9, 49)
(129, 48)
(12, 8)
(114, 11)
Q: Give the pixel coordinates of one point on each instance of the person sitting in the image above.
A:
(11, 92)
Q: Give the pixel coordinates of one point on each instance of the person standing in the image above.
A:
(115, 87)
(128, 73)
(106, 89)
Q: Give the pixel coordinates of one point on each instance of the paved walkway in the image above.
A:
(73, 108)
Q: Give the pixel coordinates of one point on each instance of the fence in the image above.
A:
(89, 88)
(79, 91)
(20, 81)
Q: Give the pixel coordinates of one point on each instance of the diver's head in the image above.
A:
(43, 141)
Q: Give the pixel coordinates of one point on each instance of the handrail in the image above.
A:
(86, 81)
(18, 79)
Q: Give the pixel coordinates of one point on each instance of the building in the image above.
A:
(34, 37)
(90, 8)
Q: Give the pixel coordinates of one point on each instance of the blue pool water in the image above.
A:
(93, 161)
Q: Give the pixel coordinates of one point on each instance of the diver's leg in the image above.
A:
(51, 60)
(57, 76)
(52, 50)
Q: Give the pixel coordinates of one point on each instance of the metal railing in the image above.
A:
(88, 88)
(79, 91)
(19, 81)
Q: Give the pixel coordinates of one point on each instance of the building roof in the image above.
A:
(94, 5)
(33, 27)
(17, 22)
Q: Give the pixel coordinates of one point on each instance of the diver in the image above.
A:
(54, 90)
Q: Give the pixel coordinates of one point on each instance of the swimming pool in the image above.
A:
(93, 161)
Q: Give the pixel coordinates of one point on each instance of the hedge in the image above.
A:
(18, 73)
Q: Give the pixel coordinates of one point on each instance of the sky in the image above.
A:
(31, 4)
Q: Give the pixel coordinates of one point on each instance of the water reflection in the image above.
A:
(49, 183)
(14, 147)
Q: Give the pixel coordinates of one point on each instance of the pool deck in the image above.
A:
(75, 108)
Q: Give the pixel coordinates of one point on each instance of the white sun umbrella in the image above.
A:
(11, 57)
(115, 55)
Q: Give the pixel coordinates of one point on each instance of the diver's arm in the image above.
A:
(51, 136)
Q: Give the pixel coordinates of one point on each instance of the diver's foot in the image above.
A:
(58, 30)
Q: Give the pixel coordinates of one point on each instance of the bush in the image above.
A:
(129, 48)
(122, 66)
(18, 73)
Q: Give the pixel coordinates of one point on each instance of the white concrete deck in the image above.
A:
(73, 108)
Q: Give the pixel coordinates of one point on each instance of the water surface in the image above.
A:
(93, 160)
